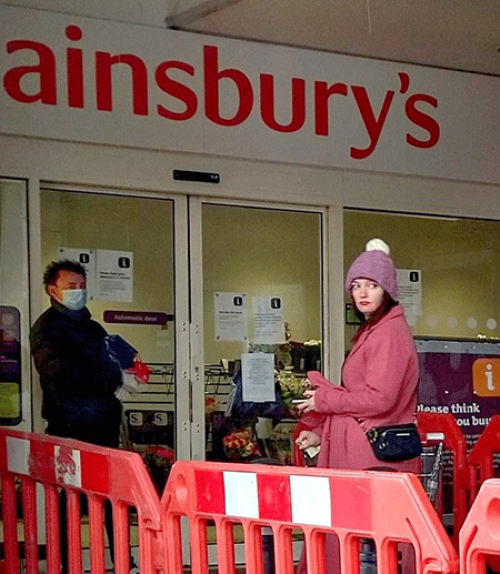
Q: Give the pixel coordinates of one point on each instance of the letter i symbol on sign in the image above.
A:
(486, 377)
(489, 377)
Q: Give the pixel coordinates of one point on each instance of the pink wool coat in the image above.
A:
(379, 387)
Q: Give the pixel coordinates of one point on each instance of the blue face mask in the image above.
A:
(74, 299)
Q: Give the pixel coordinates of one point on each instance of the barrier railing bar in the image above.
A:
(9, 517)
(53, 550)
(96, 521)
(74, 542)
(28, 501)
(225, 540)
(282, 542)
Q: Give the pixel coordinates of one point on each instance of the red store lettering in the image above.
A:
(172, 77)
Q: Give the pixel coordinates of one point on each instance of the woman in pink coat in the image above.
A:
(379, 381)
(379, 377)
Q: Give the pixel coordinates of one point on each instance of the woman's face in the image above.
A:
(367, 295)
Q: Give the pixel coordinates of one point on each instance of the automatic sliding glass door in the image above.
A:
(127, 246)
(260, 300)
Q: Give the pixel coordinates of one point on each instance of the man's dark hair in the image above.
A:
(53, 269)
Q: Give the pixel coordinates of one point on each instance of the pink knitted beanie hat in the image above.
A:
(376, 264)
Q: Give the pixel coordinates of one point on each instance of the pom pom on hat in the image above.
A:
(376, 264)
(377, 244)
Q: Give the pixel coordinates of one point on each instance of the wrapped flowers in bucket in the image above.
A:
(239, 446)
(159, 460)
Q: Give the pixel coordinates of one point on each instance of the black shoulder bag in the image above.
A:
(395, 443)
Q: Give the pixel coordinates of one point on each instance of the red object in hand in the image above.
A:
(141, 371)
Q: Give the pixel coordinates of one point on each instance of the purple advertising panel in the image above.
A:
(461, 377)
(10, 366)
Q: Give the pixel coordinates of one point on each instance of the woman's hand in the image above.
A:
(306, 439)
(309, 404)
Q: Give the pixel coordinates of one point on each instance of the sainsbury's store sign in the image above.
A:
(76, 79)
(417, 107)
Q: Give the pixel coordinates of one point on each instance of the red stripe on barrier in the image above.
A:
(274, 497)
(357, 496)
(95, 477)
(41, 461)
(210, 491)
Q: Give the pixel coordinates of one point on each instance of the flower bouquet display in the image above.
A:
(280, 444)
(292, 388)
(239, 446)
(159, 460)
(211, 405)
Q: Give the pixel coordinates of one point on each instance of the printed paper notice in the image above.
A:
(257, 376)
(410, 293)
(230, 317)
(268, 322)
(114, 275)
(86, 257)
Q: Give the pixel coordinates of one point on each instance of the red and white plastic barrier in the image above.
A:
(28, 459)
(390, 508)
(481, 456)
(480, 533)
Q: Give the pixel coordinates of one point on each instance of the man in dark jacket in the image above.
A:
(77, 375)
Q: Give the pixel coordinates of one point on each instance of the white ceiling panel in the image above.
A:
(454, 34)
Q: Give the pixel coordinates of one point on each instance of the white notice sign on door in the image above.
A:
(257, 377)
(268, 321)
(230, 317)
(410, 293)
(114, 275)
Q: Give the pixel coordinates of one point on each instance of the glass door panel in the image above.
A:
(261, 294)
(15, 387)
(127, 246)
